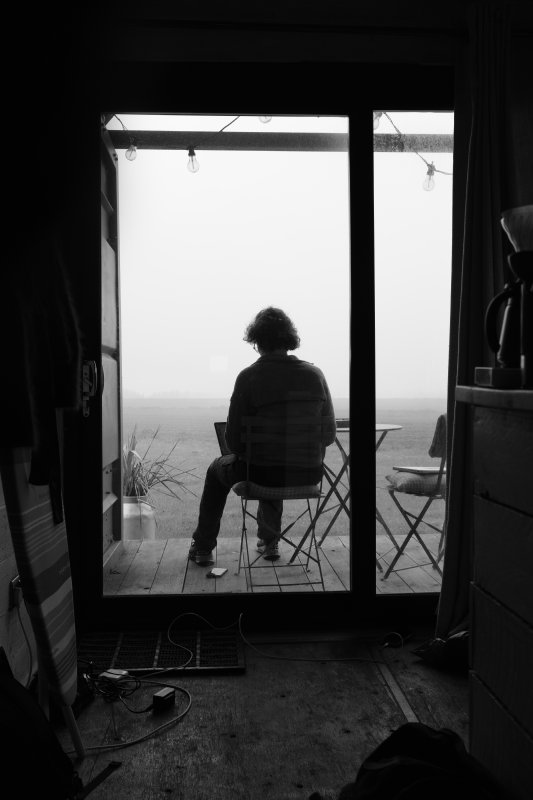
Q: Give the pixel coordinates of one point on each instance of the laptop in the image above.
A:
(220, 430)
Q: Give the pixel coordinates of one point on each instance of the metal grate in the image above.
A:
(213, 651)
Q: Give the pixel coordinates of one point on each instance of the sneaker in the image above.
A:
(204, 558)
(269, 550)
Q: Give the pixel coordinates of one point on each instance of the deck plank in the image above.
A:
(334, 581)
(195, 581)
(295, 577)
(394, 584)
(338, 557)
(170, 574)
(412, 566)
(228, 556)
(114, 577)
(297, 573)
(162, 567)
(140, 576)
(278, 576)
(264, 576)
(267, 575)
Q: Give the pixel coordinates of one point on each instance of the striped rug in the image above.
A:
(41, 553)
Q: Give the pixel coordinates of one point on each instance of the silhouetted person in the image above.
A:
(280, 386)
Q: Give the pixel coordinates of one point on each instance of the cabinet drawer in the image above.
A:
(503, 457)
(502, 646)
(503, 556)
(499, 742)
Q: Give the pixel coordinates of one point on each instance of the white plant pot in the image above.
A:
(139, 519)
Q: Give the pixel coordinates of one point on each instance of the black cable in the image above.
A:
(136, 710)
(296, 658)
(111, 690)
(198, 144)
(154, 731)
(238, 624)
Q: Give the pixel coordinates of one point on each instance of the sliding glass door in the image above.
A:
(255, 214)
(413, 165)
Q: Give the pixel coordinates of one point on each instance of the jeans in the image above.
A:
(221, 474)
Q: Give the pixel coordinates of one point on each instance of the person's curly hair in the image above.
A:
(272, 329)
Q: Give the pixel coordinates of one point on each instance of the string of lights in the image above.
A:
(429, 181)
(193, 165)
(131, 152)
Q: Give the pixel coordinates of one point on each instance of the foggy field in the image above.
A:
(190, 423)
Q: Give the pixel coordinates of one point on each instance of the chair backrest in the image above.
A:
(220, 430)
(437, 448)
(295, 443)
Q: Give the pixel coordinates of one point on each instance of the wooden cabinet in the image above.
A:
(501, 654)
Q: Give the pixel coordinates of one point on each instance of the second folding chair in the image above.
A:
(428, 483)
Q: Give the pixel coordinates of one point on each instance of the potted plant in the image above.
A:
(141, 475)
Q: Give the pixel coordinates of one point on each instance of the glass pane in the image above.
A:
(413, 228)
(200, 254)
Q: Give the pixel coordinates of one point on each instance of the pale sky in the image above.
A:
(413, 235)
(201, 253)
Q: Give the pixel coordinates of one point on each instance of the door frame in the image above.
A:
(283, 89)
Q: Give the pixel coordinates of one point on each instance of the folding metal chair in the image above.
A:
(300, 444)
(339, 490)
(428, 483)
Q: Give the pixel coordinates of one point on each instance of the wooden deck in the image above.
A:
(162, 567)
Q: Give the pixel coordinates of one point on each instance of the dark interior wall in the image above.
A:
(521, 121)
(68, 67)
(64, 63)
(73, 67)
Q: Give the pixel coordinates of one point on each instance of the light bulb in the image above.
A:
(377, 117)
(131, 152)
(193, 165)
(265, 118)
(429, 180)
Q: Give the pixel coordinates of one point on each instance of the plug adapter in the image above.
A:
(164, 699)
(15, 593)
(111, 676)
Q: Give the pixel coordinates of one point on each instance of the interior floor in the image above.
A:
(300, 719)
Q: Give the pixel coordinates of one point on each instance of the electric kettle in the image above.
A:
(513, 342)
(505, 342)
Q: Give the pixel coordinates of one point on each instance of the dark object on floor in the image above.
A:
(34, 763)
(396, 638)
(164, 699)
(448, 654)
(84, 696)
(417, 762)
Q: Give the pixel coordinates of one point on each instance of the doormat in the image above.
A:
(144, 651)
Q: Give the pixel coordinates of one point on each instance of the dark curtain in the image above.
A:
(481, 162)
